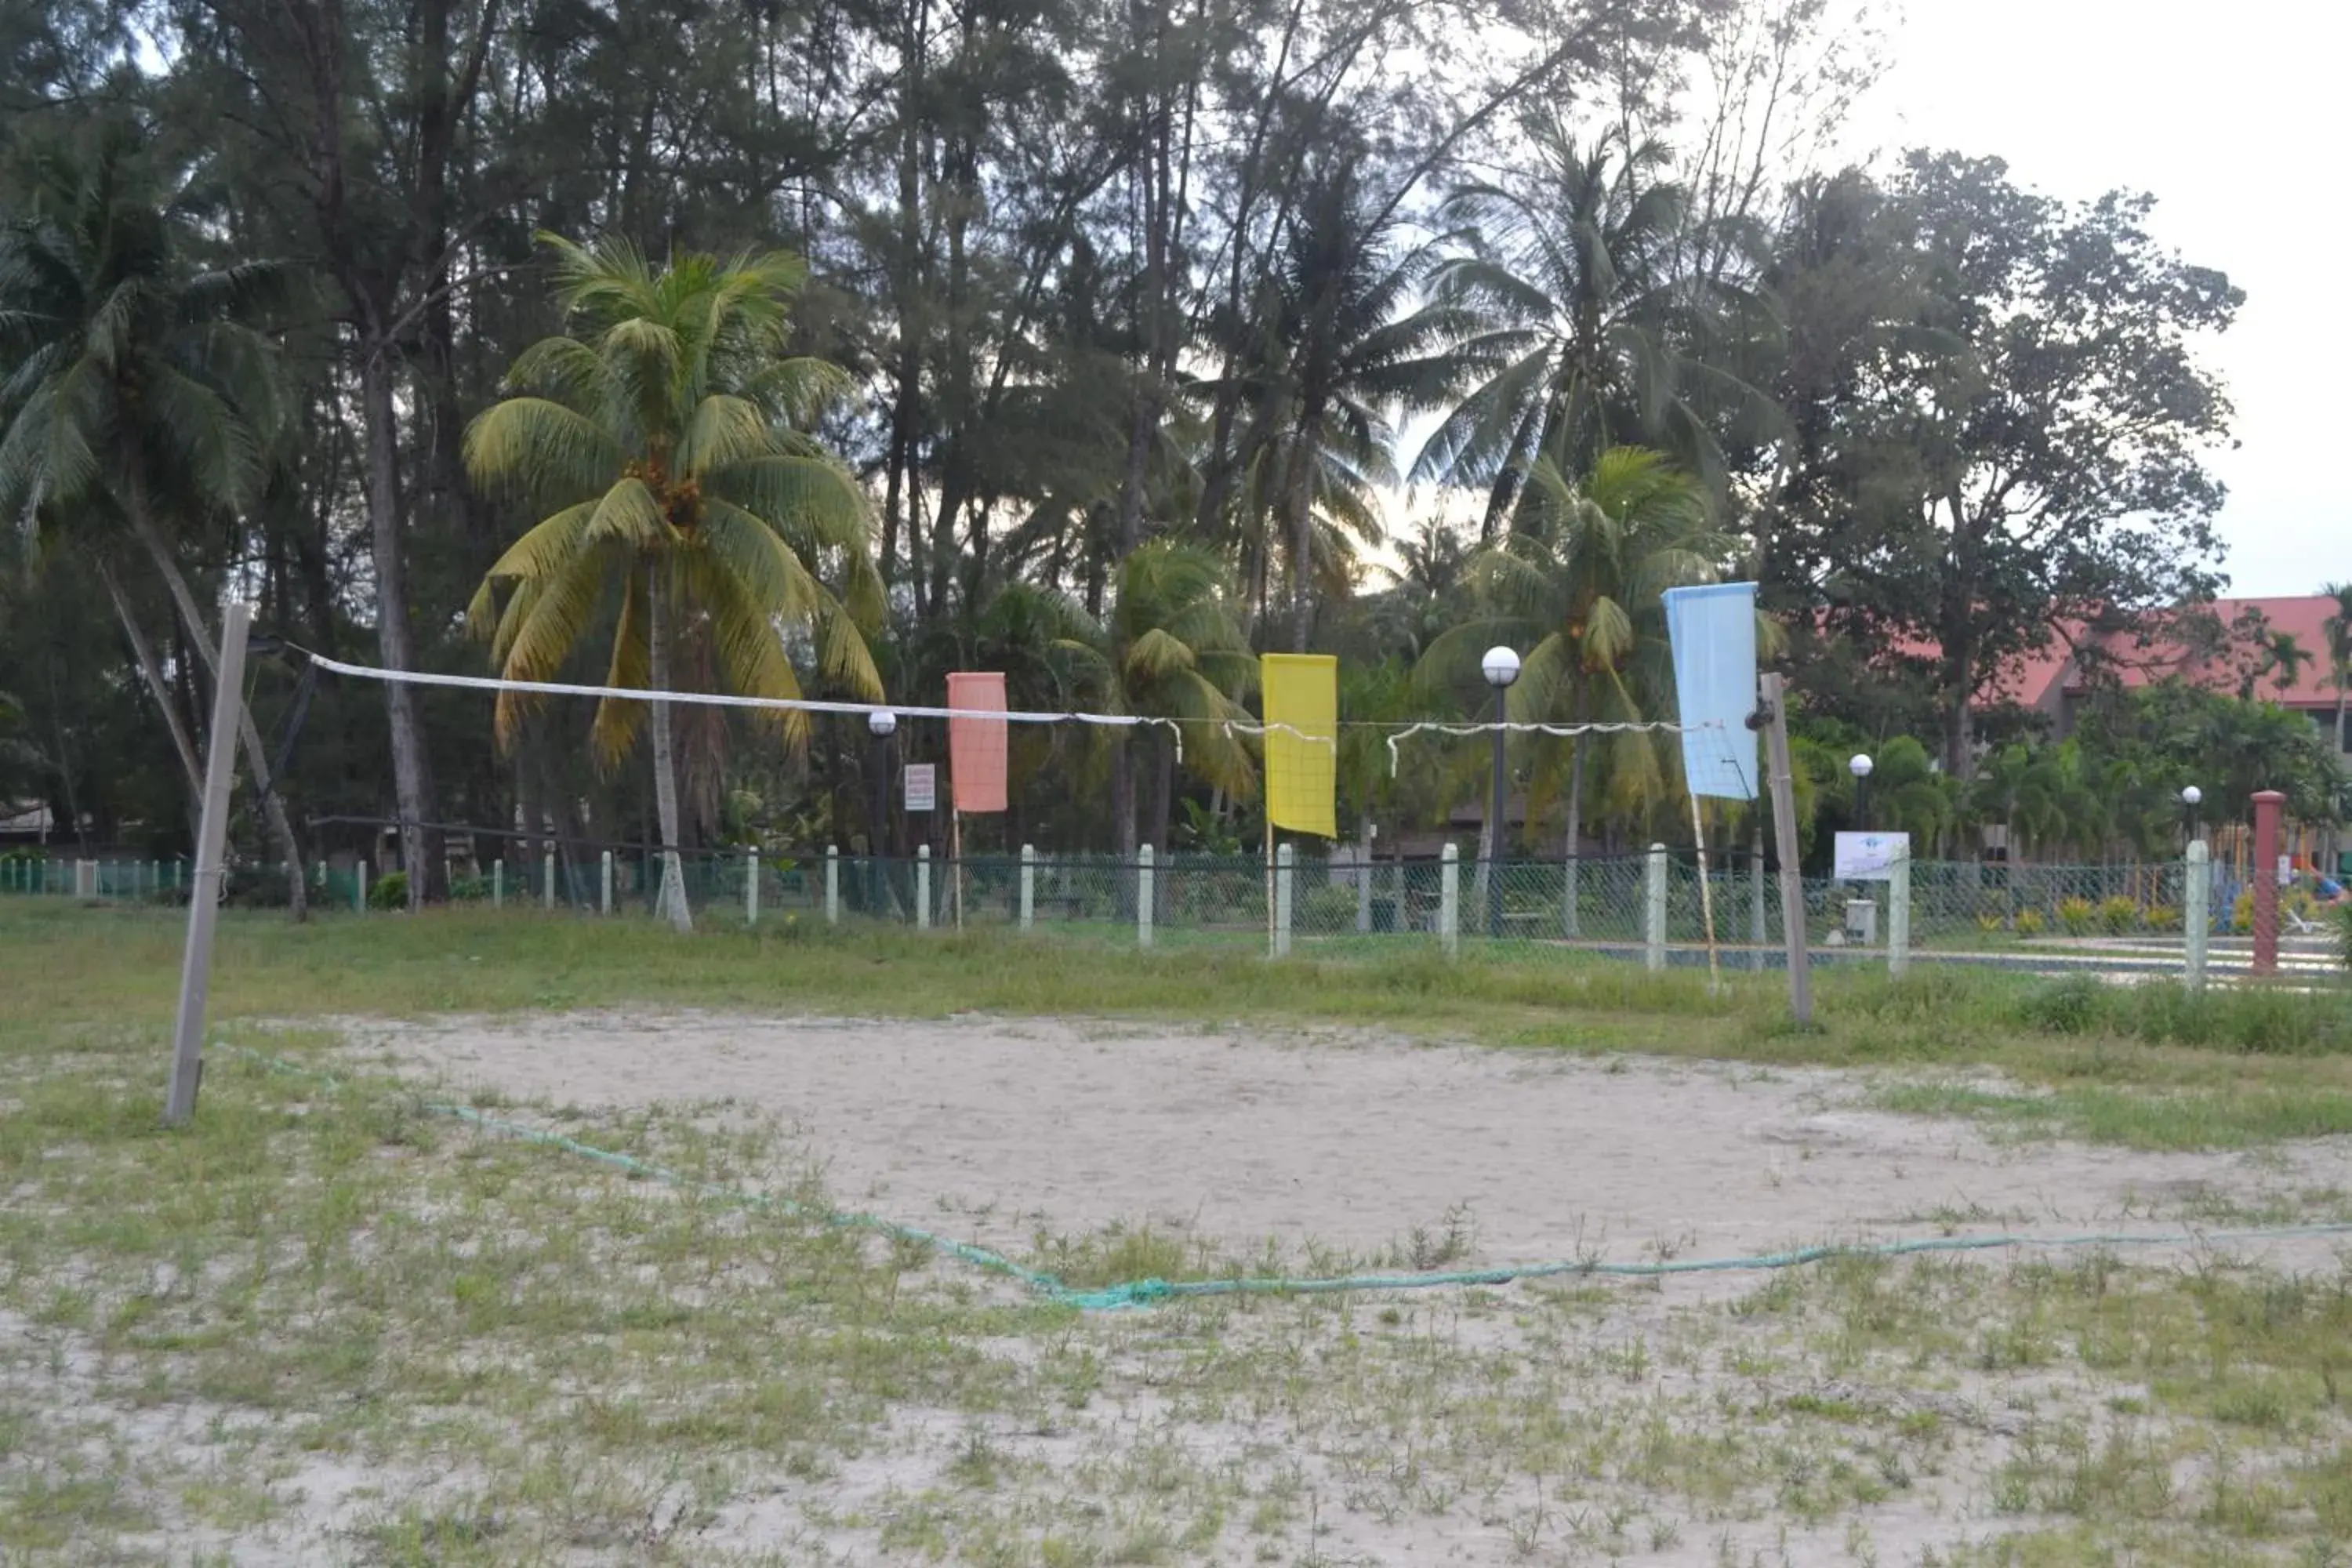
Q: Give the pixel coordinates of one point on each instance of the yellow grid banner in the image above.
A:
(1302, 770)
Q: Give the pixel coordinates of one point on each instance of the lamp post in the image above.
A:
(2191, 799)
(1501, 667)
(1859, 765)
(881, 725)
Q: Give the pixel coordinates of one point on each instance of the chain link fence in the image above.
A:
(1652, 904)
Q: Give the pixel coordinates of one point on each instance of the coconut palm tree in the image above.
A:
(1579, 317)
(2280, 657)
(138, 400)
(1579, 585)
(662, 435)
(1909, 793)
(1353, 346)
(2337, 629)
(1170, 647)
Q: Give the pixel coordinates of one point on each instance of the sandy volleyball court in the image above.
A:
(1013, 1126)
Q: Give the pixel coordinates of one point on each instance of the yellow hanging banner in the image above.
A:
(1302, 768)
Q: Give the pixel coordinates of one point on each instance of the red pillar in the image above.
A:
(2267, 806)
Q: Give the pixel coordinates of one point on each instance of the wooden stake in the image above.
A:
(1705, 897)
(1784, 835)
(204, 895)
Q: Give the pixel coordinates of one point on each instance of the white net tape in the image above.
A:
(1558, 732)
(730, 699)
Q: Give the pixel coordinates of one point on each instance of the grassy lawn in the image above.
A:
(321, 1327)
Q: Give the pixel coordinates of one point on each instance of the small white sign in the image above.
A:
(1868, 856)
(923, 786)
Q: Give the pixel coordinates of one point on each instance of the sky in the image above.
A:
(2232, 116)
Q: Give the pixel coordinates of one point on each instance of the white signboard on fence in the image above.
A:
(1868, 856)
(923, 786)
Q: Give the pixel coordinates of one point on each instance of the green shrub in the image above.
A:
(2028, 922)
(2069, 1006)
(2119, 915)
(2077, 916)
(390, 892)
(2164, 917)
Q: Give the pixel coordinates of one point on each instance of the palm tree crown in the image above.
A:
(1579, 585)
(664, 433)
(1578, 314)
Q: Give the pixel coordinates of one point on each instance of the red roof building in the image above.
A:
(2205, 645)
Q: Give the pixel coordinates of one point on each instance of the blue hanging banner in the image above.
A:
(1713, 631)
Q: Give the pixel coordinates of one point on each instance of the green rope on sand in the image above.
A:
(1136, 1293)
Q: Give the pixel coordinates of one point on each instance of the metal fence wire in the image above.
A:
(1312, 899)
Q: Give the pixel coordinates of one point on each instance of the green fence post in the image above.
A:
(604, 898)
(358, 886)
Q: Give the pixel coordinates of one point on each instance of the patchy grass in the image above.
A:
(2149, 1066)
(321, 1327)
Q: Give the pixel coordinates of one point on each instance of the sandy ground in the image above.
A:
(1340, 1142)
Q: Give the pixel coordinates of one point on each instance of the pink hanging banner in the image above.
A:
(976, 746)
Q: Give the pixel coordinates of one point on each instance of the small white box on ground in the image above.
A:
(1861, 921)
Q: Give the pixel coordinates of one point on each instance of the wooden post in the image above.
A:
(1705, 898)
(1784, 835)
(204, 902)
(2268, 806)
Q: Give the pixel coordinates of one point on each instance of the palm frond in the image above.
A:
(541, 446)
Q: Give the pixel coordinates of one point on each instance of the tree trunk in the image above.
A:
(1163, 789)
(1568, 914)
(672, 902)
(298, 895)
(1122, 813)
(1297, 496)
(152, 674)
(412, 774)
